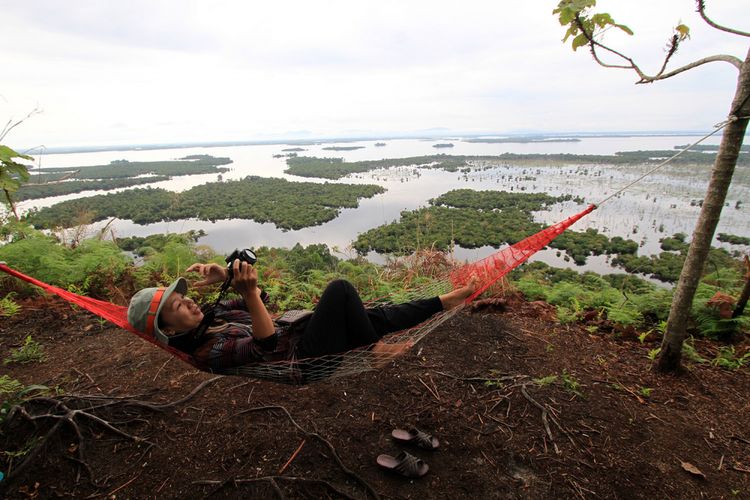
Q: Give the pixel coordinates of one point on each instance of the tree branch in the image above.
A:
(644, 78)
(10, 125)
(701, 4)
(593, 44)
(734, 61)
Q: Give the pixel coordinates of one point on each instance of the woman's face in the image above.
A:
(179, 314)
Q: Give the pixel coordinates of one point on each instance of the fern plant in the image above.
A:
(31, 351)
(12, 392)
(9, 308)
(727, 358)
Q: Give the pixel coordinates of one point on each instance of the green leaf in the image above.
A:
(624, 28)
(9, 184)
(16, 168)
(7, 154)
(572, 31)
(12, 174)
(32, 388)
(567, 9)
(580, 5)
(567, 15)
(580, 41)
(602, 20)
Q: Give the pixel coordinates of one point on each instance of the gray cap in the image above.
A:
(146, 304)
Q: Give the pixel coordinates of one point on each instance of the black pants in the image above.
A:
(341, 322)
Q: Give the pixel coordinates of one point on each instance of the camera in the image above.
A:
(245, 255)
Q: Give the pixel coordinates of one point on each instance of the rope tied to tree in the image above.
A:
(719, 126)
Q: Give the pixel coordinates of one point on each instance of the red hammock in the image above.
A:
(492, 268)
(488, 270)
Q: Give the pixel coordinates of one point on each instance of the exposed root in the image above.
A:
(49, 415)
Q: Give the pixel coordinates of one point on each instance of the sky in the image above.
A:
(154, 71)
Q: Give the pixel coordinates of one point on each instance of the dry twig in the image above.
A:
(368, 488)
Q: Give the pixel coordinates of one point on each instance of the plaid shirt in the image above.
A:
(235, 345)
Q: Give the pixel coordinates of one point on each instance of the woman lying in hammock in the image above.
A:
(243, 331)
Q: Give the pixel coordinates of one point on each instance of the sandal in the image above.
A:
(405, 464)
(416, 437)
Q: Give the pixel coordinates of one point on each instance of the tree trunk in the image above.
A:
(695, 262)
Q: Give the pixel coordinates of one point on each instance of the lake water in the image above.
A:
(656, 207)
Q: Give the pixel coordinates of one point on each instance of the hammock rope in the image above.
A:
(717, 127)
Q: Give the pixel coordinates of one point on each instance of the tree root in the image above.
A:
(76, 412)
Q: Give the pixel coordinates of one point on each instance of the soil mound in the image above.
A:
(523, 407)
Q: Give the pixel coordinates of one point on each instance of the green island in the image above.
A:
(120, 169)
(343, 148)
(143, 246)
(709, 148)
(474, 219)
(733, 239)
(520, 140)
(289, 205)
(336, 168)
(118, 174)
(35, 191)
(667, 265)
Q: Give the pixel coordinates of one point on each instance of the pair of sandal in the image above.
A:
(405, 463)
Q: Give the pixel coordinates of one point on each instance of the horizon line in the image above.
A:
(322, 139)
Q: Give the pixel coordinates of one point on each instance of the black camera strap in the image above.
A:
(209, 311)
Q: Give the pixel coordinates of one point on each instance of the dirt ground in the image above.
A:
(606, 427)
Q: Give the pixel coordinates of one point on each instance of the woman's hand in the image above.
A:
(212, 273)
(246, 283)
(245, 278)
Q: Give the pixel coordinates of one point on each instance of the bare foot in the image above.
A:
(459, 295)
(384, 353)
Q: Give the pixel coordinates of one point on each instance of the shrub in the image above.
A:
(42, 257)
(653, 305)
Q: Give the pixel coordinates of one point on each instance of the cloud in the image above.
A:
(135, 23)
(150, 71)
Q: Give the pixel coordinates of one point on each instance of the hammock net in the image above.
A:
(300, 371)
